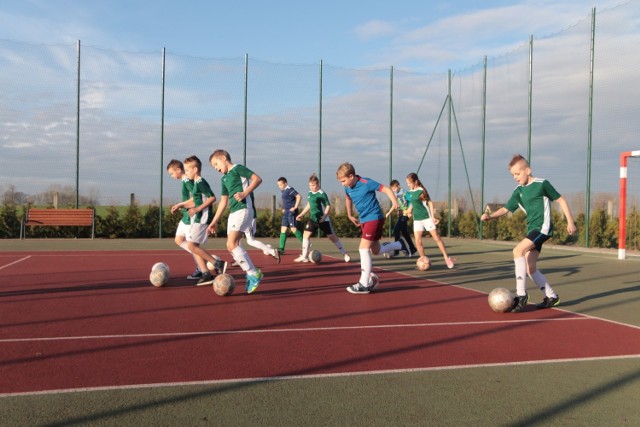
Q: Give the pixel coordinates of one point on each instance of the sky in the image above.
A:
(416, 36)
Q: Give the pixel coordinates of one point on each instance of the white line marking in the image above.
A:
(288, 330)
(14, 262)
(317, 376)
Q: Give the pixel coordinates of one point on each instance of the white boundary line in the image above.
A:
(15, 262)
(317, 376)
(288, 330)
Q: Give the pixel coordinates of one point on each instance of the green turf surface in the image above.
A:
(577, 393)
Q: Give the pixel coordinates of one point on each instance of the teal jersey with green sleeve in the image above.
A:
(535, 201)
(318, 202)
(201, 191)
(187, 188)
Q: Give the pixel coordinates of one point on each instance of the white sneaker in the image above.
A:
(449, 262)
(301, 259)
(347, 258)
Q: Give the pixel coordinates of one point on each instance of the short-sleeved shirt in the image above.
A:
(420, 208)
(202, 191)
(187, 187)
(363, 196)
(235, 181)
(318, 201)
(535, 201)
(289, 195)
(401, 196)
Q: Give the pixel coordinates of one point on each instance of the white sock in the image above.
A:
(366, 265)
(521, 276)
(341, 248)
(394, 246)
(243, 260)
(541, 281)
(306, 244)
(258, 244)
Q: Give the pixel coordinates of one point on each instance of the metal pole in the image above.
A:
(587, 217)
(449, 149)
(484, 133)
(246, 96)
(78, 133)
(530, 97)
(320, 128)
(390, 138)
(161, 145)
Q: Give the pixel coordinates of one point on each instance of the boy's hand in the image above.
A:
(354, 220)
(240, 196)
(212, 228)
(571, 228)
(484, 217)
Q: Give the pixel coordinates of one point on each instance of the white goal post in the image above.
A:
(622, 210)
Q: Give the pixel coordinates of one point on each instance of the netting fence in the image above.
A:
(101, 124)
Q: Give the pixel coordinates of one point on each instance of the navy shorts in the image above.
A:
(538, 239)
(289, 219)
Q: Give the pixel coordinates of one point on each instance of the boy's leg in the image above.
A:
(239, 223)
(520, 265)
(249, 234)
(551, 299)
(404, 230)
(181, 240)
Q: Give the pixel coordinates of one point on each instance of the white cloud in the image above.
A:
(374, 29)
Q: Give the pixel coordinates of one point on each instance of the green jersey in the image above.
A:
(420, 207)
(201, 192)
(535, 201)
(318, 202)
(235, 181)
(187, 188)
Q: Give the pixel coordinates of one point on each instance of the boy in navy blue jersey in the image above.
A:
(290, 204)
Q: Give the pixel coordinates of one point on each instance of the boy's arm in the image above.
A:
(298, 199)
(303, 213)
(571, 226)
(187, 204)
(392, 196)
(496, 214)
(205, 204)
(213, 227)
(255, 182)
(349, 208)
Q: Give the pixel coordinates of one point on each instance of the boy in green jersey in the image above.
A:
(319, 207)
(238, 183)
(534, 197)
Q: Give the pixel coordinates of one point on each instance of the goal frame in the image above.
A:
(622, 210)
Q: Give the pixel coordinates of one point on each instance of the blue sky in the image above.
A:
(416, 35)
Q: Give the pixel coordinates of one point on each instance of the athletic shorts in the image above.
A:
(538, 239)
(424, 225)
(183, 229)
(241, 220)
(372, 230)
(289, 219)
(313, 226)
(197, 233)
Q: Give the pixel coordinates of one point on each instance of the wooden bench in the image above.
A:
(59, 217)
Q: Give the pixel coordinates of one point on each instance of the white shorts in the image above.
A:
(183, 229)
(424, 225)
(241, 220)
(198, 233)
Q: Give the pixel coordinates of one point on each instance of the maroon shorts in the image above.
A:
(372, 230)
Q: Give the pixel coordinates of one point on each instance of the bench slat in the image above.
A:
(60, 217)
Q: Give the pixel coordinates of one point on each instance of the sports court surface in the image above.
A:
(86, 340)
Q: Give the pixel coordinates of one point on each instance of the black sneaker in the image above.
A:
(276, 255)
(358, 289)
(206, 279)
(519, 303)
(220, 266)
(196, 275)
(549, 302)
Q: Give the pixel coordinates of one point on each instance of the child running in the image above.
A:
(534, 197)
(238, 183)
(361, 192)
(421, 208)
(319, 207)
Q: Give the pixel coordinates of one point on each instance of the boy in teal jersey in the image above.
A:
(534, 197)
(238, 183)
(421, 209)
(200, 213)
(175, 168)
(319, 207)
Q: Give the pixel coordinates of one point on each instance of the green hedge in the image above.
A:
(136, 222)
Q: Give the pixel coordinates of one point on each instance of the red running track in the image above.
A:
(83, 320)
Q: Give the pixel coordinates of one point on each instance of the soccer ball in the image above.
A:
(224, 284)
(423, 263)
(315, 256)
(500, 300)
(161, 265)
(159, 277)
